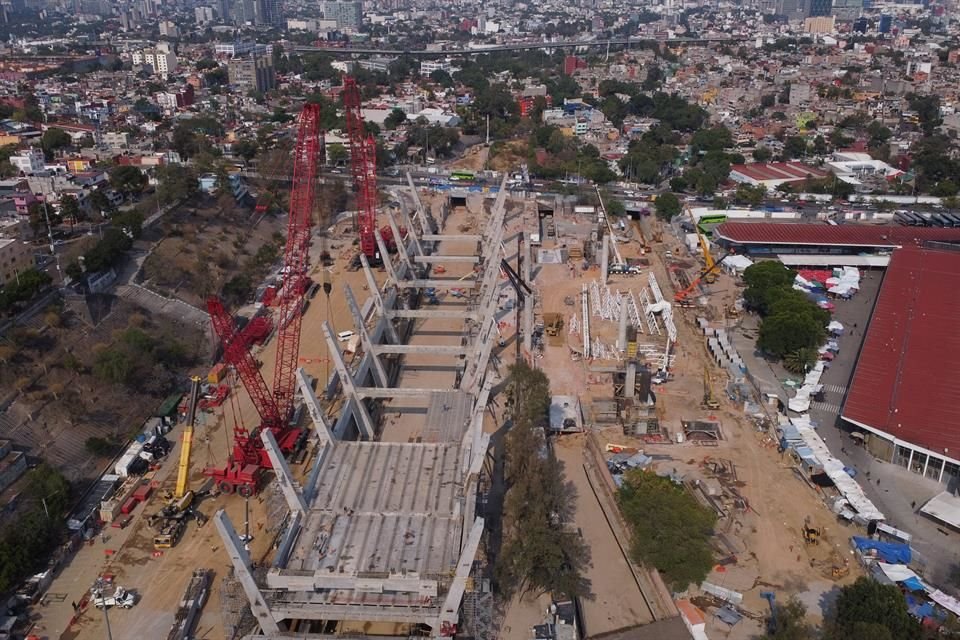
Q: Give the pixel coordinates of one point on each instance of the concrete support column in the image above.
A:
(604, 258)
(241, 567)
(630, 380)
(282, 471)
(364, 420)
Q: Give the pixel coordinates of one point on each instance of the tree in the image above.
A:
(762, 154)
(54, 138)
(869, 610)
(789, 621)
(336, 153)
(127, 179)
(750, 195)
(667, 205)
(800, 360)
(677, 541)
(70, 208)
(394, 119)
(768, 273)
(100, 203)
(442, 78)
(540, 552)
(794, 147)
(175, 182)
(245, 148)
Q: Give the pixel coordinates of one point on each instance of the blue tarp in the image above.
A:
(892, 552)
(913, 584)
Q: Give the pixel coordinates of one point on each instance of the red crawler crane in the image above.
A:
(363, 165)
(249, 458)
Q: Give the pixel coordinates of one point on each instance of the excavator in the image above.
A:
(170, 521)
(681, 296)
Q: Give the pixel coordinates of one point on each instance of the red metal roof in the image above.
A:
(782, 171)
(905, 381)
(849, 235)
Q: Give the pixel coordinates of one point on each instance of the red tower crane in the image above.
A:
(363, 166)
(275, 407)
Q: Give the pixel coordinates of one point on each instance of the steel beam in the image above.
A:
(529, 300)
(320, 423)
(367, 428)
(431, 349)
(282, 471)
(241, 567)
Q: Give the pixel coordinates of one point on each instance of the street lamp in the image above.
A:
(97, 591)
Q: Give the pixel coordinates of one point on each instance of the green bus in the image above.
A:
(462, 176)
(706, 224)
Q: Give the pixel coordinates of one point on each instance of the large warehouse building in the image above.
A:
(830, 244)
(904, 387)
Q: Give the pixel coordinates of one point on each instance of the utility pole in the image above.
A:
(488, 129)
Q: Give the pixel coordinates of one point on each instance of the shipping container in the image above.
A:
(129, 506)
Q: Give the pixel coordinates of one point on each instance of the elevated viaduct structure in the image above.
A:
(382, 536)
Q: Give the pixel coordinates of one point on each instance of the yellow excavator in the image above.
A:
(170, 522)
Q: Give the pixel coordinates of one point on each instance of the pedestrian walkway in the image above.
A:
(835, 388)
(826, 406)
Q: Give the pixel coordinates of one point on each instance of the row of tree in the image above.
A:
(27, 541)
(793, 326)
(541, 552)
(864, 610)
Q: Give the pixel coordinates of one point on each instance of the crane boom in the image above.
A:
(296, 258)
(183, 470)
(236, 353)
(363, 166)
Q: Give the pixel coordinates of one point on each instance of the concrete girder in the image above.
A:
(282, 471)
(432, 349)
(396, 392)
(437, 284)
(398, 241)
(320, 423)
(349, 388)
(438, 258)
(432, 313)
(379, 373)
(378, 302)
(450, 613)
(437, 237)
(385, 258)
(241, 567)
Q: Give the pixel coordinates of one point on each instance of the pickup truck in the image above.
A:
(120, 598)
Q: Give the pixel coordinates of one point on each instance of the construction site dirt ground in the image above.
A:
(771, 554)
(159, 579)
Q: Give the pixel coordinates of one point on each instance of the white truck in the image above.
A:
(120, 598)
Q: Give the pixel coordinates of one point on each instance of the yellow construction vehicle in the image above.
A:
(709, 275)
(811, 534)
(183, 471)
(709, 401)
(170, 522)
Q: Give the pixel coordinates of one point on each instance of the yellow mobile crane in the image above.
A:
(170, 522)
(709, 274)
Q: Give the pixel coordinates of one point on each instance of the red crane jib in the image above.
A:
(275, 408)
(363, 165)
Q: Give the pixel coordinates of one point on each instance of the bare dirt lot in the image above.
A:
(202, 245)
(768, 552)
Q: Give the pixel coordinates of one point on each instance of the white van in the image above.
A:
(343, 336)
